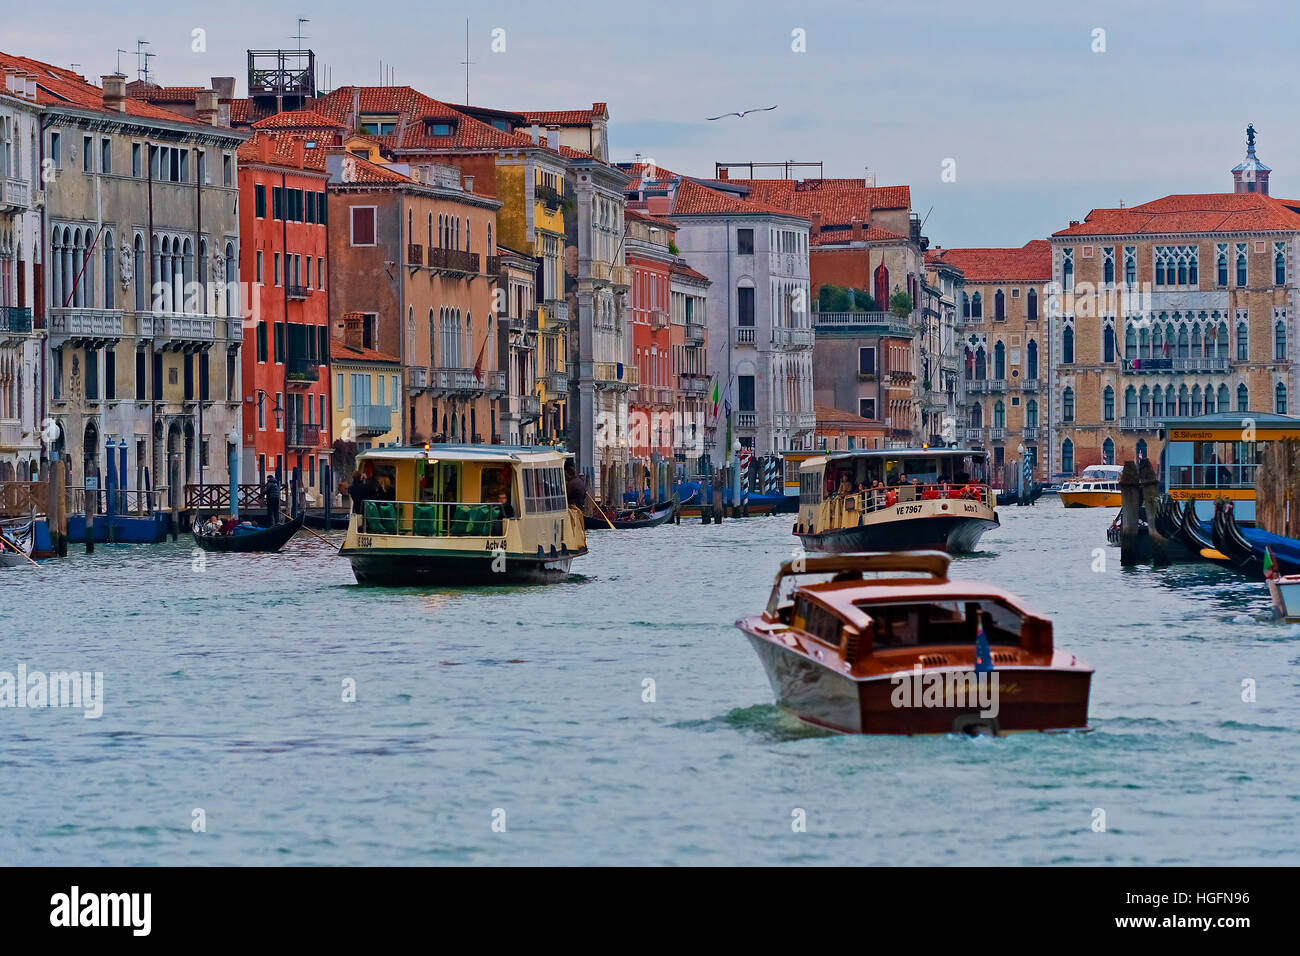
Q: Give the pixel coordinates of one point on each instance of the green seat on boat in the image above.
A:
(381, 517)
(425, 520)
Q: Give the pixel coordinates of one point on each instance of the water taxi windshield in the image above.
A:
(941, 622)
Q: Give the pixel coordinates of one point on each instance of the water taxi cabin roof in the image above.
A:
(1261, 420)
(891, 453)
(851, 600)
(480, 453)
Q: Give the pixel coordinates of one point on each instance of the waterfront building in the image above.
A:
(283, 223)
(1177, 307)
(695, 428)
(654, 401)
(140, 302)
(1004, 345)
(760, 337)
(368, 396)
(409, 249)
(530, 344)
(942, 394)
(584, 131)
(21, 268)
(838, 430)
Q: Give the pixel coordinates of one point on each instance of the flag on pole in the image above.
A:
(983, 655)
(716, 396)
(1270, 565)
(478, 365)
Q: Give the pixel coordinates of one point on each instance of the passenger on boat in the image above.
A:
(357, 491)
(228, 526)
(503, 502)
(272, 499)
(575, 487)
(846, 486)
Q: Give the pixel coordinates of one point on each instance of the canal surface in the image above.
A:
(524, 706)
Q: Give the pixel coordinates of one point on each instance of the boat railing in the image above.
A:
(433, 519)
(126, 502)
(1212, 476)
(879, 499)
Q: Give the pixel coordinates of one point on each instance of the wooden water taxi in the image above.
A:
(464, 515)
(912, 655)
(895, 500)
(1097, 487)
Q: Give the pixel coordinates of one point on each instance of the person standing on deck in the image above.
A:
(272, 488)
(575, 487)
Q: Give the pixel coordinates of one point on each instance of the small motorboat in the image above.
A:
(16, 549)
(244, 539)
(1097, 487)
(911, 655)
(627, 518)
(1284, 589)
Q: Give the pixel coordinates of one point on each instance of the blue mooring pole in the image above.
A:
(110, 503)
(232, 467)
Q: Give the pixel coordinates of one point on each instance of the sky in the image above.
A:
(1035, 115)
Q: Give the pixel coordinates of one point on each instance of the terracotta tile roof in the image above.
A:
(695, 199)
(360, 171)
(56, 86)
(245, 111)
(166, 94)
(345, 352)
(640, 215)
(412, 109)
(566, 117)
(829, 415)
(1032, 262)
(282, 148)
(298, 119)
(839, 234)
(682, 269)
(1191, 213)
(839, 201)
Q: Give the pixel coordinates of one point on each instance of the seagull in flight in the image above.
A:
(742, 113)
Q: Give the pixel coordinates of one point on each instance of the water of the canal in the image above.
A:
(524, 707)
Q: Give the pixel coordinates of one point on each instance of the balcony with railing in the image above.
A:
(11, 434)
(1029, 433)
(178, 329)
(15, 195)
(417, 379)
(85, 325)
(997, 385)
(695, 333)
(453, 261)
(301, 435)
(556, 384)
(15, 320)
(297, 293)
(492, 265)
(615, 375)
(415, 254)
(868, 323)
(301, 371)
(599, 271)
(620, 277)
(692, 383)
(548, 196)
(658, 319)
(793, 338)
(371, 419)
(1138, 423)
(973, 434)
(556, 314)
(463, 381)
(747, 420)
(530, 408)
(745, 335)
(997, 433)
(1029, 385)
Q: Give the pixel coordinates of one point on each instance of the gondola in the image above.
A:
(655, 517)
(1245, 547)
(22, 537)
(1035, 492)
(263, 540)
(1008, 498)
(1199, 540)
(316, 520)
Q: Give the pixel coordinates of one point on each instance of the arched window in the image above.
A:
(1209, 399)
(1224, 398)
(1067, 271)
(976, 305)
(1108, 270)
(1067, 405)
(1197, 351)
(232, 286)
(999, 361)
(976, 415)
(430, 230)
(1222, 267)
(1031, 360)
(1031, 305)
(1221, 341)
(1279, 268)
(141, 278)
(999, 305)
(1130, 402)
(1108, 404)
(1279, 399)
(1243, 398)
(1067, 457)
(1130, 267)
(1279, 342)
(108, 270)
(981, 364)
(1031, 413)
(1067, 345)
(1196, 400)
(1241, 266)
(1130, 342)
(1184, 402)
(1108, 452)
(1144, 402)
(1108, 343)
(999, 414)
(1158, 401)
(410, 225)
(432, 336)
(1243, 342)
(1183, 348)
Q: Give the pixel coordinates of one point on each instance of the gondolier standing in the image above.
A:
(272, 500)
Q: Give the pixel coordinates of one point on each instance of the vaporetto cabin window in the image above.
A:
(544, 490)
(810, 488)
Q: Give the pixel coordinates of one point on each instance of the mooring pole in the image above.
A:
(1150, 490)
(1130, 496)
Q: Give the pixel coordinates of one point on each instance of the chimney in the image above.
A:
(30, 93)
(224, 86)
(816, 229)
(353, 323)
(553, 137)
(724, 174)
(536, 133)
(1074, 222)
(205, 107)
(114, 92)
(658, 205)
(855, 228)
(467, 183)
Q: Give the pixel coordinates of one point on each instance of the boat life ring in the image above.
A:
(891, 498)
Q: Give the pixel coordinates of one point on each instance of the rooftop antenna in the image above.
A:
(467, 61)
(146, 65)
(301, 21)
(141, 64)
(119, 59)
(75, 67)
